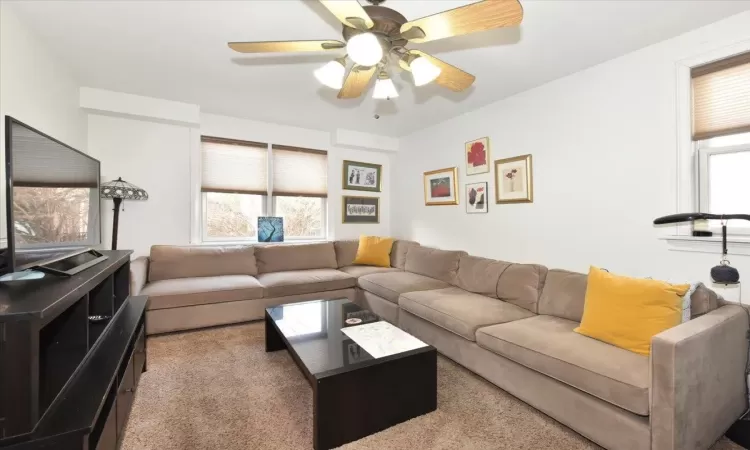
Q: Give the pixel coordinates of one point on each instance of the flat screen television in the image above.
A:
(52, 199)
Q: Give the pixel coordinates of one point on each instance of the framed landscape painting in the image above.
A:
(476, 197)
(359, 176)
(441, 187)
(477, 156)
(360, 210)
(514, 180)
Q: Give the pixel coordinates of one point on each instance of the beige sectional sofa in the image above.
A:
(510, 323)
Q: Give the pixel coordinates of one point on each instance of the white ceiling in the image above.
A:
(177, 50)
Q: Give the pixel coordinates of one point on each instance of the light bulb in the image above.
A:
(365, 49)
(384, 88)
(332, 74)
(423, 71)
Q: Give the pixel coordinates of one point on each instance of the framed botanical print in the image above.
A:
(441, 187)
(360, 209)
(359, 176)
(477, 156)
(514, 180)
(476, 197)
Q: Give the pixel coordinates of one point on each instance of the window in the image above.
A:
(721, 136)
(242, 181)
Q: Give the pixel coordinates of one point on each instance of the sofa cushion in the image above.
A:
(346, 251)
(399, 251)
(548, 345)
(173, 261)
(360, 271)
(180, 292)
(434, 263)
(390, 285)
(279, 258)
(480, 275)
(563, 295)
(522, 284)
(293, 282)
(460, 311)
(374, 251)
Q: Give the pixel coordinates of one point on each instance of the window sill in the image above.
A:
(736, 245)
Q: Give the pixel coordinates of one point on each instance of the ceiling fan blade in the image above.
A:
(350, 13)
(450, 77)
(480, 16)
(285, 46)
(357, 81)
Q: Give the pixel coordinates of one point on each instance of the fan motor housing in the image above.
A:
(387, 22)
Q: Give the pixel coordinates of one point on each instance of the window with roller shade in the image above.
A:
(244, 180)
(721, 133)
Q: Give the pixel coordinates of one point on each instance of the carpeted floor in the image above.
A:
(218, 389)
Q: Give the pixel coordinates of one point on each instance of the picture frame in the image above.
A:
(360, 210)
(361, 176)
(270, 229)
(441, 187)
(477, 197)
(514, 180)
(477, 156)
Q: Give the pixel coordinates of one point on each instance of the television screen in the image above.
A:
(53, 197)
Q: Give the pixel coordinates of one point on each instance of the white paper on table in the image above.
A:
(382, 339)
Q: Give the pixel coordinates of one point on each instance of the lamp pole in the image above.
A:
(115, 221)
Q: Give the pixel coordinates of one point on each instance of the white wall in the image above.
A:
(35, 89)
(156, 156)
(604, 151)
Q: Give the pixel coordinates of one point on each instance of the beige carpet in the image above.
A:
(218, 389)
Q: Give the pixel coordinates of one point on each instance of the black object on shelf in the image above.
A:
(72, 353)
(699, 233)
(723, 273)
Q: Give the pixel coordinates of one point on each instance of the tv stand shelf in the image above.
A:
(67, 381)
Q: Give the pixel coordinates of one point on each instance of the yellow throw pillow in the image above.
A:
(374, 251)
(628, 312)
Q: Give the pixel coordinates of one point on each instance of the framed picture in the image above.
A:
(514, 180)
(359, 176)
(477, 156)
(361, 210)
(476, 197)
(270, 229)
(441, 187)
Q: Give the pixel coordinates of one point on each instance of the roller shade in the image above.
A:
(721, 98)
(233, 166)
(300, 172)
(42, 162)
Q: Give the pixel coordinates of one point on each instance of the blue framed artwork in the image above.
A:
(270, 229)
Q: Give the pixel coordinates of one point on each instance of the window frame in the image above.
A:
(269, 205)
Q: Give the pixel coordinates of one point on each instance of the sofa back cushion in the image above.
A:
(564, 295)
(434, 263)
(398, 252)
(480, 275)
(346, 251)
(171, 261)
(278, 258)
(522, 285)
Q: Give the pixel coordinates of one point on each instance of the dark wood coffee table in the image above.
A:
(354, 393)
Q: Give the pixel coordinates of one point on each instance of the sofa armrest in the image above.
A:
(138, 274)
(698, 384)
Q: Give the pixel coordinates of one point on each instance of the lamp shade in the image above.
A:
(332, 74)
(364, 49)
(121, 189)
(423, 71)
(384, 88)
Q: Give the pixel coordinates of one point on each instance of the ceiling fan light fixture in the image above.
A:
(384, 88)
(365, 49)
(332, 74)
(423, 71)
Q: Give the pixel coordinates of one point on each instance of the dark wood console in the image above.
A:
(67, 380)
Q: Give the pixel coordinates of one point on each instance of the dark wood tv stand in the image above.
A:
(66, 381)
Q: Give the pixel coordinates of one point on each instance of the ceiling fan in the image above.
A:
(373, 32)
